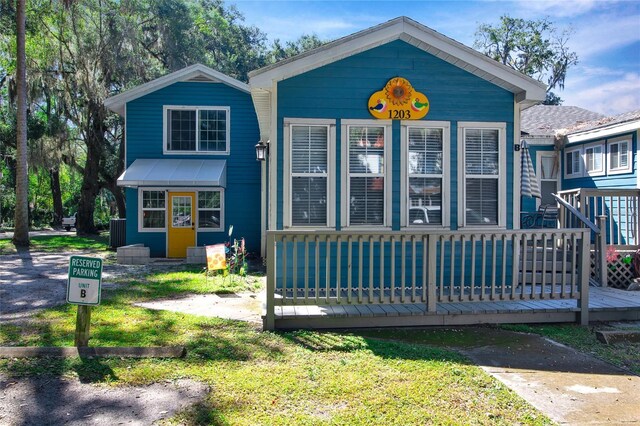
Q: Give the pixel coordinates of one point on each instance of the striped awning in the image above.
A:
(528, 180)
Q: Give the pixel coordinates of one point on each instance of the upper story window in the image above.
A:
(573, 163)
(593, 159)
(483, 177)
(425, 155)
(367, 176)
(619, 155)
(200, 130)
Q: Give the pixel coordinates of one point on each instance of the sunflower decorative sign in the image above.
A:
(398, 101)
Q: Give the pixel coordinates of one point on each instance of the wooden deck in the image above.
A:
(605, 304)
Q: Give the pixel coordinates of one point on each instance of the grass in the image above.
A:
(54, 243)
(623, 354)
(269, 378)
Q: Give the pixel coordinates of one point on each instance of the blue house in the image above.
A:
(191, 171)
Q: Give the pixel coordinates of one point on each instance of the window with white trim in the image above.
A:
(619, 156)
(366, 174)
(210, 210)
(482, 197)
(593, 159)
(153, 207)
(196, 129)
(572, 163)
(425, 175)
(309, 172)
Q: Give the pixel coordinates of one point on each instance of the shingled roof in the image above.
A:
(545, 120)
(601, 123)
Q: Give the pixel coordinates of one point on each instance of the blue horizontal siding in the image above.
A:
(342, 89)
(144, 128)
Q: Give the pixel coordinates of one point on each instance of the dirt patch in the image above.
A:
(54, 400)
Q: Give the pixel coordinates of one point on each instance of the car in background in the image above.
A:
(69, 222)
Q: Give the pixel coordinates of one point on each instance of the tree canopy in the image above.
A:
(533, 47)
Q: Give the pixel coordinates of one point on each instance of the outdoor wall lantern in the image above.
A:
(262, 150)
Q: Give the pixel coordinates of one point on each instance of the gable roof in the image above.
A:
(197, 72)
(545, 120)
(526, 89)
(603, 127)
(416, 34)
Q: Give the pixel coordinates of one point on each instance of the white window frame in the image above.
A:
(575, 174)
(557, 180)
(141, 209)
(288, 176)
(596, 172)
(501, 127)
(197, 109)
(345, 175)
(445, 126)
(619, 141)
(221, 228)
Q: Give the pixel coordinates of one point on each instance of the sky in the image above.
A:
(605, 34)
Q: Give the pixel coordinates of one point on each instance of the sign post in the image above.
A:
(83, 289)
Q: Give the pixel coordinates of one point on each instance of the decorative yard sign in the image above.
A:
(85, 278)
(215, 257)
(398, 101)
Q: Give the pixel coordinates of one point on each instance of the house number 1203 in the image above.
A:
(396, 114)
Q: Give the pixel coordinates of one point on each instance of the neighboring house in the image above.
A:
(191, 171)
(539, 126)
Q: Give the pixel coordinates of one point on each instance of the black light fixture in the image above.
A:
(262, 150)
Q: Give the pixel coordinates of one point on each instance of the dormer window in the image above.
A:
(201, 130)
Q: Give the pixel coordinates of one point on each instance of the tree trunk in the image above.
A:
(54, 179)
(21, 219)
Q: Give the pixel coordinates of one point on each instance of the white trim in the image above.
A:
(197, 109)
(517, 167)
(117, 103)
(414, 33)
(330, 125)
(195, 190)
(140, 211)
(126, 133)
(558, 181)
(502, 172)
(344, 139)
(221, 228)
(446, 172)
(604, 132)
(601, 171)
(273, 162)
(617, 141)
(580, 172)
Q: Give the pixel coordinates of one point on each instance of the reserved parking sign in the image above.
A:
(85, 280)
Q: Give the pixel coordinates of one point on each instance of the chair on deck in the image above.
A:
(545, 217)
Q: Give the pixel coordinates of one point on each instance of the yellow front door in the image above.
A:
(182, 226)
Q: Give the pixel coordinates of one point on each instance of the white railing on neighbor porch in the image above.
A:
(620, 206)
(331, 268)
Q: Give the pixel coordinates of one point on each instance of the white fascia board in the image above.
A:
(604, 132)
(424, 38)
(116, 103)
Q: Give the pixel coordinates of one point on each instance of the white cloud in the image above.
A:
(559, 8)
(604, 33)
(611, 97)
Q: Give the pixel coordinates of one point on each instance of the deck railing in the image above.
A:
(425, 267)
(620, 206)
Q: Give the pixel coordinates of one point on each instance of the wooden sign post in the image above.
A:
(83, 289)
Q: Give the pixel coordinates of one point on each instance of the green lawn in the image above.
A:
(270, 378)
(54, 243)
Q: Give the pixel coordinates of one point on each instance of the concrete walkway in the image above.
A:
(570, 387)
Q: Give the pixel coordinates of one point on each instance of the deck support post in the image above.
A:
(601, 241)
(431, 279)
(269, 320)
(585, 272)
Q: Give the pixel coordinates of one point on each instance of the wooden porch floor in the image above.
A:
(605, 304)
